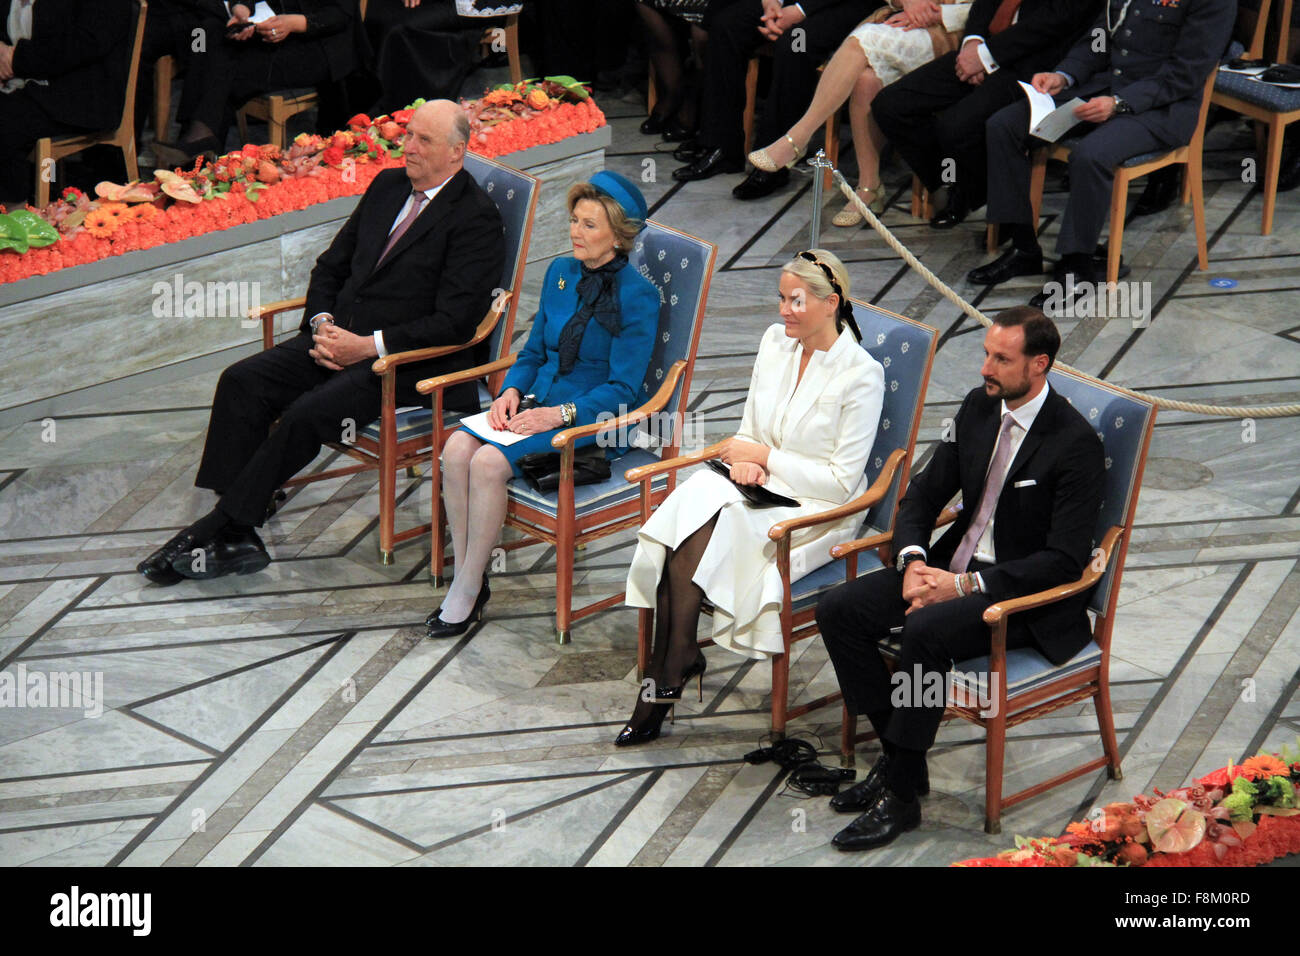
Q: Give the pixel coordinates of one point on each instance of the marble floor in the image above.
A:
(298, 717)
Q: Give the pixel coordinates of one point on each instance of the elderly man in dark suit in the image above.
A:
(935, 115)
(1030, 471)
(1140, 69)
(63, 66)
(415, 266)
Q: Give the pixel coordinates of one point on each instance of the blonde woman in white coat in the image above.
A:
(808, 426)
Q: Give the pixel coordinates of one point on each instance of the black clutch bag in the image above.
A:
(756, 496)
(542, 469)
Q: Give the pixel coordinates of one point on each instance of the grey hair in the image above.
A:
(460, 130)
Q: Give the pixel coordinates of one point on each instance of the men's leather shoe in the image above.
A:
(158, 566)
(888, 818)
(1160, 193)
(1010, 264)
(759, 184)
(689, 151)
(230, 552)
(866, 791)
(954, 212)
(710, 163)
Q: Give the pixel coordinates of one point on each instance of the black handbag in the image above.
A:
(541, 469)
(756, 496)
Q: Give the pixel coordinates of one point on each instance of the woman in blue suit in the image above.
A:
(587, 354)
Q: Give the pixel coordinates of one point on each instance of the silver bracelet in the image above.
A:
(956, 584)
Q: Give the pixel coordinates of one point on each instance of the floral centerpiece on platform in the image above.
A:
(1236, 816)
(531, 113)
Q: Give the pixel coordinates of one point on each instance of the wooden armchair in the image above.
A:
(50, 149)
(906, 350)
(405, 438)
(1021, 684)
(681, 266)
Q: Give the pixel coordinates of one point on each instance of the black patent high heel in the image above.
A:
(630, 735)
(433, 615)
(671, 695)
(438, 628)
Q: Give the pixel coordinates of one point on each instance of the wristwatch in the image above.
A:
(903, 559)
(1121, 106)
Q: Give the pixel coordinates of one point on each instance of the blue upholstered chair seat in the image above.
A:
(1027, 669)
(412, 423)
(813, 585)
(1072, 142)
(1276, 98)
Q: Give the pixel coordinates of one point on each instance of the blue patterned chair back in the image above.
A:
(905, 349)
(1121, 422)
(680, 266)
(515, 194)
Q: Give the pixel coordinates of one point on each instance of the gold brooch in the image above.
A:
(561, 283)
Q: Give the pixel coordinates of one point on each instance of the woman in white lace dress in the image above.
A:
(890, 43)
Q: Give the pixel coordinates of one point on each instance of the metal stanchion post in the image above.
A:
(819, 164)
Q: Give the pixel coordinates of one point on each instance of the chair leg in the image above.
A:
(991, 237)
(438, 555)
(780, 693)
(922, 204)
(163, 73)
(751, 94)
(994, 751)
(1115, 241)
(1192, 178)
(1272, 167)
(1106, 723)
(129, 158)
(44, 163)
(564, 535)
(848, 730)
(651, 94)
(387, 505)
(512, 49)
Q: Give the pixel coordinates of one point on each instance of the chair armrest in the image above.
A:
(657, 401)
(394, 359)
(878, 489)
(947, 516)
(430, 385)
(672, 464)
(1091, 574)
(266, 313)
(861, 544)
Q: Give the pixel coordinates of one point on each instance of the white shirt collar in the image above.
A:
(1024, 415)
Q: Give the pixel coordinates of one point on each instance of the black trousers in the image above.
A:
(931, 118)
(425, 51)
(23, 123)
(855, 616)
(1092, 171)
(733, 38)
(245, 465)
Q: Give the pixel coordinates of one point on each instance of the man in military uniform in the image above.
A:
(1140, 70)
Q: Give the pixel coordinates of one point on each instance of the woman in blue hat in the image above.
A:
(587, 354)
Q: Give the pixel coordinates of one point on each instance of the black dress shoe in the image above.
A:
(438, 628)
(689, 151)
(230, 552)
(710, 163)
(158, 566)
(652, 125)
(1010, 264)
(865, 792)
(1160, 193)
(953, 213)
(759, 184)
(675, 132)
(433, 615)
(887, 819)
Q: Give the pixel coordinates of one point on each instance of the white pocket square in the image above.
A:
(1027, 483)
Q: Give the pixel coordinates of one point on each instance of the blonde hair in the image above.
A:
(625, 228)
(815, 280)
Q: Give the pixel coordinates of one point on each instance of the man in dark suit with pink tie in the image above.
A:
(415, 266)
(1030, 472)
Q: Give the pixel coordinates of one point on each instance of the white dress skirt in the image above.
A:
(820, 433)
(892, 51)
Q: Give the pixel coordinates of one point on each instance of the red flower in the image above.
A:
(333, 156)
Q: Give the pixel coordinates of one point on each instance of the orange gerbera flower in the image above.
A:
(100, 223)
(118, 210)
(1263, 766)
(142, 211)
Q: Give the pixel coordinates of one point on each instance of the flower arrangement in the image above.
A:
(257, 182)
(1236, 816)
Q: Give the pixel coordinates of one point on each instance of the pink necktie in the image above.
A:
(988, 500)
(418, 204)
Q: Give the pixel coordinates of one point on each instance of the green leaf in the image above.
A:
(39, 232)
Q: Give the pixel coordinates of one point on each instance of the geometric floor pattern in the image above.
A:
(297, 716)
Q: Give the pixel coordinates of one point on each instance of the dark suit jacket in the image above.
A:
(81, 48)
(333, 29)
(1157, 61)
(1042, 533)
(433, 288)
(1041, 34)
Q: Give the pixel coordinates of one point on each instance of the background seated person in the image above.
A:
(809, 423)
(587, 354)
